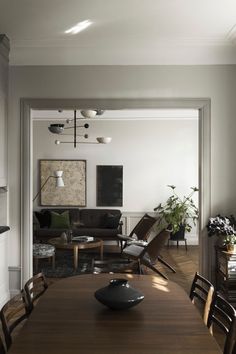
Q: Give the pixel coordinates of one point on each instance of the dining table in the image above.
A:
(68, 319)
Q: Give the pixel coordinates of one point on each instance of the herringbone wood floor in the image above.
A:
(185, 264)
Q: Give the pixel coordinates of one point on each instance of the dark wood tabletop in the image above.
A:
(68, 319)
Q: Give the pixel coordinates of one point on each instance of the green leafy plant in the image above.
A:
(179, 212)
(230, 240)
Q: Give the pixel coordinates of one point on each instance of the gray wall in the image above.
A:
(215, 82)
(153, 153)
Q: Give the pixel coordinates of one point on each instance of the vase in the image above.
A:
(63, 237)
(231, 248)
(119, 295)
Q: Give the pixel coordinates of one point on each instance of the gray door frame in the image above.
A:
(202, 104)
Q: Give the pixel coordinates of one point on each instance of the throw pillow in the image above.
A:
(111, 221)
(44, 218)
(60, 221)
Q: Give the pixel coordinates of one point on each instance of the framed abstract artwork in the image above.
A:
(74, 177)
(109, 185)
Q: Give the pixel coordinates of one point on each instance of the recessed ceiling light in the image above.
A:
(79, 27)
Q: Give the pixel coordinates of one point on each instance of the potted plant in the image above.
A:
(230, 243)
(178, 212)
(223, 228)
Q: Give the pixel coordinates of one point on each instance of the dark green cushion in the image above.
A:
(60, 221)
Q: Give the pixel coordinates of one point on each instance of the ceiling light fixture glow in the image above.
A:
(79, 27)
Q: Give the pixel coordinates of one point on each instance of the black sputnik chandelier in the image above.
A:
(60, 129)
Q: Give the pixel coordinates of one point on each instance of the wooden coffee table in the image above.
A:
(76, 246)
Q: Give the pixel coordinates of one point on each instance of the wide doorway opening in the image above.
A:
(155, 148)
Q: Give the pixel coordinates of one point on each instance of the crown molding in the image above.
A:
(165, 41)
(168, 54)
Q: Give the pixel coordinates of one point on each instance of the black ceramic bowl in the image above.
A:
(119, 295)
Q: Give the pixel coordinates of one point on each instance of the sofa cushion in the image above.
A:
(60, 221)
(75, 217)
(96, 232)
(74, 213)
(44, 218)
(45, 234)
(95, 217)
(111, 221)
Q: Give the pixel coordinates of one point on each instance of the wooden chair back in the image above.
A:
(154, 247)
(203, 290)
(12, 313)
(34, 288)
(223, 315)
(143, 227)
(149, 254)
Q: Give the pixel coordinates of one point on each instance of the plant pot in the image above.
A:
(179, 235)
(231, 247)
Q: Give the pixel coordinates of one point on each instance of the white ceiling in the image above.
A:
(123, 32)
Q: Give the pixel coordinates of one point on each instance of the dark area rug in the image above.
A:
(88, 263)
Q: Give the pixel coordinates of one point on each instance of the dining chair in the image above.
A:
(34, 288)
(2, 348)
(141, 231)
(151, 253)
(202, 290)
(12, 314)
(223, 315)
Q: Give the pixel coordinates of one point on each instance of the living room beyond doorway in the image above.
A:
(147, 171)
(202, 105)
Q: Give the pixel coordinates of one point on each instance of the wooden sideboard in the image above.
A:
(226, 274)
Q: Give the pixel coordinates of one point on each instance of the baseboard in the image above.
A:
(14, 280)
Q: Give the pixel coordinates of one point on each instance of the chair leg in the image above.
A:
(149, 265)
(166, 264)
(92, 265)
(139, 267)
(186, 245)
(123, 244)
(177, 243)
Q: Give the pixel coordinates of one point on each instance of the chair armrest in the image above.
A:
(125, 237)
(140, 243)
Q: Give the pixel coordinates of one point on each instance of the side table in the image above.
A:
(41, 250)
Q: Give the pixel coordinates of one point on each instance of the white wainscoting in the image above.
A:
(4, 280)
(14, 280)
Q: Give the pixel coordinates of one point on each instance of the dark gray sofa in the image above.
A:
(102, 223)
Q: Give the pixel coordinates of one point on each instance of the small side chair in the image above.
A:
(149, 255)
(223, 315)
(12, 314)
(203, 290)
(140, 232)
(34, 288)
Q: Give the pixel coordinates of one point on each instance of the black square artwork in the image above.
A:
(109, 185)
